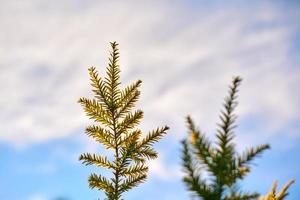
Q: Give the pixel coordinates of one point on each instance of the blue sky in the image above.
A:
(186, 53)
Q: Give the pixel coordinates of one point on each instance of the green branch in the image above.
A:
(116, 129)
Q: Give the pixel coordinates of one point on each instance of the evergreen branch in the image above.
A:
(95, 111)
(225, 152)
(153, 136)
(112, 109)
(251, 153)
(101, 183)
(191, 125)
(137, 158)
(281, 195)
(146, 152)
(138, 154)
(222, 161)
(135, 170)
(201, 144)
(101, 135)
(130, 121)
(93, 159)
(112, 81)
(225, 134)
(226, 172)
(187, 161)
(132, 181)
(128, 98)
(241, 196)
(205, 153)
(99, 87)
(192, 179)
(131, 137)
(127, 153)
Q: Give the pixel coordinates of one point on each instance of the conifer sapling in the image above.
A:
(221, 162)
(116, 129)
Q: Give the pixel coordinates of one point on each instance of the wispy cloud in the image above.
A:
(159, 169)
(185, 58)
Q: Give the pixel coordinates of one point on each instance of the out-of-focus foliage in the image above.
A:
(115, 128)
(221, 162)
(273, 195)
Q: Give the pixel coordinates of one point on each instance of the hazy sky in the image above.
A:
(186, 53)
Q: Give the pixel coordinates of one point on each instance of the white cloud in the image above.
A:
(159, 169)
(185, 58)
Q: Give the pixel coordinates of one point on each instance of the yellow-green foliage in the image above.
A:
(280, 195)
(115, 128)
